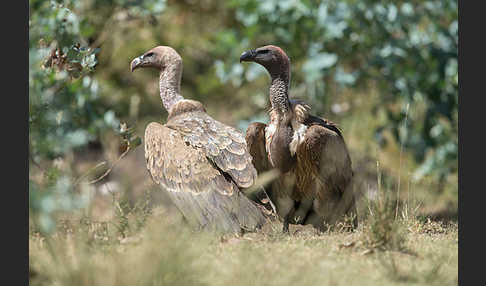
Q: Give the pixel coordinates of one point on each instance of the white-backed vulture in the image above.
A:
(315, 182)
(200, 162)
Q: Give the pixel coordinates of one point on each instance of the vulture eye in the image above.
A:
(260, 52)
(148, 55)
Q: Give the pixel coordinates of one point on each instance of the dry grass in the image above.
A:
(157, 249)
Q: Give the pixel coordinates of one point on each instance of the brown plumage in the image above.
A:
(315, 182)
(200, 162)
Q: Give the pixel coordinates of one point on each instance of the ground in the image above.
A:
(153, 247)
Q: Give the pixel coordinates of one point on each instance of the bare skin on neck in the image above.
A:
(169, 84)
(280, 116)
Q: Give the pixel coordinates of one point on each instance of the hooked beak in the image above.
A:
(136, 63)
(248, 56)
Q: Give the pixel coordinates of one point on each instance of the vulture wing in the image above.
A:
(204, 194)
(323, 155)
(255, 140)
(180, 167)
(223, 145)
(311, 120)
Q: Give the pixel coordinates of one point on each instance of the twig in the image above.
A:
(99, 165)
(112, 166)
(89, 172)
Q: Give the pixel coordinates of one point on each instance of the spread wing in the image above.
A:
(179, 167)
(223, 145)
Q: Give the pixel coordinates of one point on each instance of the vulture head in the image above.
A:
(159, 57)
(273, 58)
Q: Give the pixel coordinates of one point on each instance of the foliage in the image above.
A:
(55, 196)
(406, 50)
(66, 108)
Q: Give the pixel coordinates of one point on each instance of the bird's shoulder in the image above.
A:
(301, 112)
(319, 122)
(185, 106)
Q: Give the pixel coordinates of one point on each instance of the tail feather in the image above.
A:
(220, 213)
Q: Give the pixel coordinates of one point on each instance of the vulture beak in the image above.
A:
(136, 63)
(248, 56)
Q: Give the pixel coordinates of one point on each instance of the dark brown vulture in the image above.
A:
(201, 162)
(314, 186)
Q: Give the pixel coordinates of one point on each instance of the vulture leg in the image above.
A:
(301, 212)
(315, 220)
(290, 213)
(281, 196)
(285, 228)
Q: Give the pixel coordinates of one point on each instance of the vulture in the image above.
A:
(200, 162)
(315, 174)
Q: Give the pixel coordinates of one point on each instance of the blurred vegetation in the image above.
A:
(385, 71)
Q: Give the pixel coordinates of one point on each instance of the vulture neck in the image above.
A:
(170, 84)
(279, 135)
(279, 92)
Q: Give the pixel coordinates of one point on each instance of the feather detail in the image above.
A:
(223, 145)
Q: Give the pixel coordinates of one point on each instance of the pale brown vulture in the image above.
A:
(200, 162)
(314, 186)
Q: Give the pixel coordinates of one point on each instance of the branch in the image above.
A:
(112, 166)
(99, 165)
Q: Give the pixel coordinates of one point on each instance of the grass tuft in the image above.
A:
(381, 230)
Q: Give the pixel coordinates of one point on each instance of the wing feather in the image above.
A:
(255, 138)
(222, 144)
(179, 167)
(323, 154)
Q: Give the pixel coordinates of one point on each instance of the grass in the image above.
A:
(155, 248)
